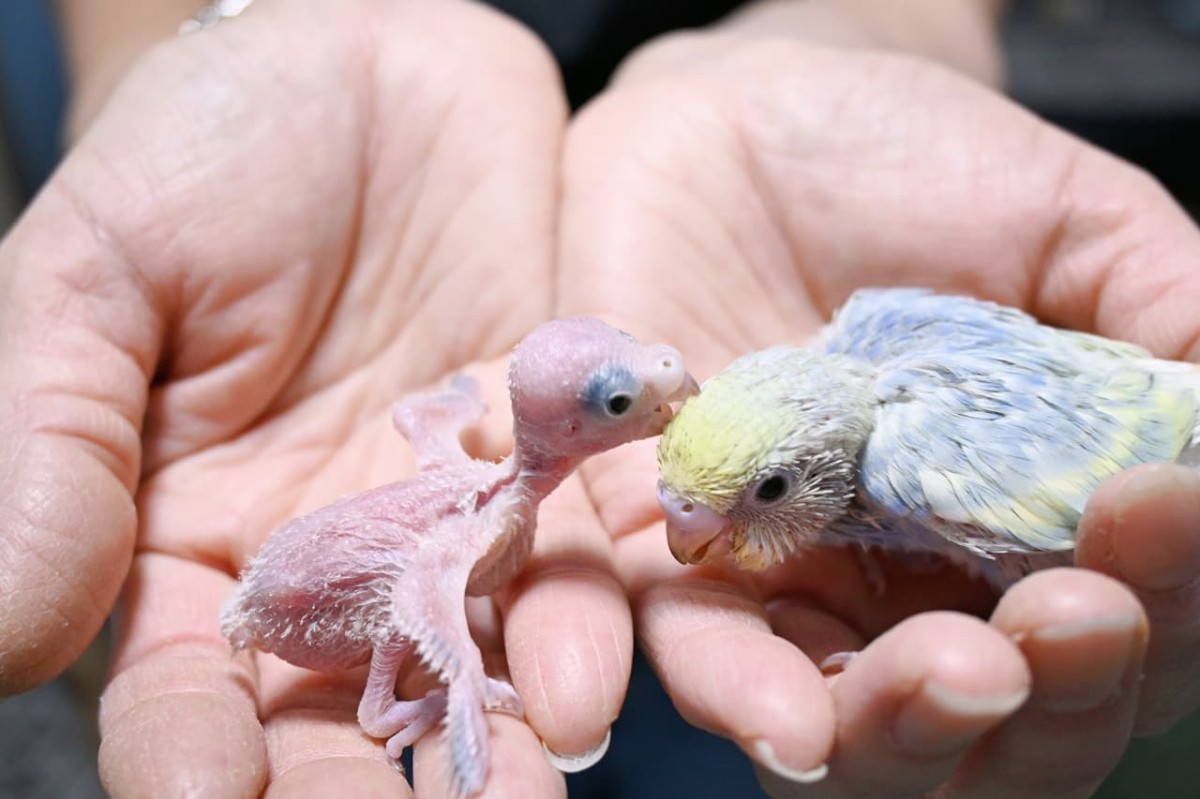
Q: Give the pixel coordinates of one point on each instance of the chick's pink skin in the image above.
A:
(382, 575)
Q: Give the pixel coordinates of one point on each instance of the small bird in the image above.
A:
(918, 422)
(382, 576)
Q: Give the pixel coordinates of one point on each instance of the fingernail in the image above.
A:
(1092, 657)
(570, 764)
(836, 663)
(765, 754)
(1154, 497)
(939, 720)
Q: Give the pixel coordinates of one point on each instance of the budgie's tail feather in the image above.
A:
(1184, 376)
(1190, 457)
(467, 736)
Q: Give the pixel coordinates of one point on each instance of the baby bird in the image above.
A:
(382, 576)
(923, 423)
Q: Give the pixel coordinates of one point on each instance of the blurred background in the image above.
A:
(1124, 74)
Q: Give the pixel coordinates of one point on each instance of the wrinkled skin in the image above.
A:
(824, 171)
(248, 258)
(238, 296)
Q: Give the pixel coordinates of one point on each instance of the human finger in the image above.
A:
(1083, 636)
(912, 704)
(1143, 528)
(568, 631)
(708, 638)
(79, 337)
(518, 766)
(180, 714)
(314, 742)
(519, 769)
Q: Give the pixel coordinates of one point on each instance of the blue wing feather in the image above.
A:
(992, 429)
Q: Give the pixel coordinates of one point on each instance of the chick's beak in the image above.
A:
(695, 532)
(687, 387)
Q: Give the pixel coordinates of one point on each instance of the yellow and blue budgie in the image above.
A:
(918, 422)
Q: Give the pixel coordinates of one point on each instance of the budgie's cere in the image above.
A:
(382, 575)
(918, 421)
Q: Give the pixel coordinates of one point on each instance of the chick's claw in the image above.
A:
(404, 716)
(500, 695)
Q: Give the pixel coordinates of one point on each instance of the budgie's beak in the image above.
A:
(695, 532)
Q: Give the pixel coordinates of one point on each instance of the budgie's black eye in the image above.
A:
(771, 489)
(611, 391)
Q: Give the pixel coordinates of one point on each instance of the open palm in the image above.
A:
(274, 230)
(278, 226)
(727, 194)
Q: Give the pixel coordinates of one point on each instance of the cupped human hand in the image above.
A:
(271, 231)
(728, 192)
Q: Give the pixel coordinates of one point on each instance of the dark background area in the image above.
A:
(1122, 73)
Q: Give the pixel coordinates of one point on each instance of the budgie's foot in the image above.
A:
(872, 570)
(915, 562)
(836, 663)
(403, 722)
(500, 695)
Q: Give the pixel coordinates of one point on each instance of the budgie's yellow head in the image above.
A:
(765, 457)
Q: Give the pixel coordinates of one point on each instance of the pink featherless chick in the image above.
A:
(383, 575)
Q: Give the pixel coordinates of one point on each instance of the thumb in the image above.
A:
(79, 340)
